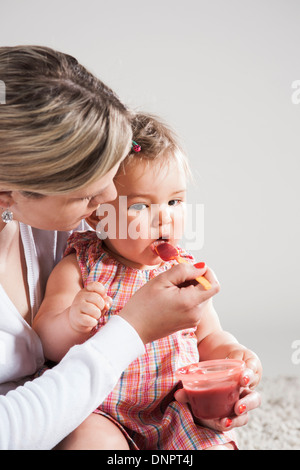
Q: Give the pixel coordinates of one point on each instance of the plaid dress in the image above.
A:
(142, 404)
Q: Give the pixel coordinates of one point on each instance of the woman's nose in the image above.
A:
(108, 195)
(111, 193)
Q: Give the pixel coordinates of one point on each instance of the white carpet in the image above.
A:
(276, 424)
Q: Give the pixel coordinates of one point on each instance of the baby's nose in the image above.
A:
(165, 215)
(162, 215)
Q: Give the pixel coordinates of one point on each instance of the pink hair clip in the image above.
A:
(136, 147)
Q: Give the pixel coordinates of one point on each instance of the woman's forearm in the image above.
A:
(41, 413)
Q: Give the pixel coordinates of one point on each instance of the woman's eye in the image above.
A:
(174, 202)
(138, 207)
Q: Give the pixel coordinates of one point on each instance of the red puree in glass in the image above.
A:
(212, 387)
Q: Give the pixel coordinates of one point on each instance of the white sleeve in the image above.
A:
(41, 413)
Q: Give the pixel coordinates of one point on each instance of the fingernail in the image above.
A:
(228, 422)
(242, 409)
(199, 265)
(246, 380)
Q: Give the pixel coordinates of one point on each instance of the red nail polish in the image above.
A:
(199, 265)
(246, 380)
(242, 409)
(228, 422)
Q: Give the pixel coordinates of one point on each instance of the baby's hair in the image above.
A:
(157, 140)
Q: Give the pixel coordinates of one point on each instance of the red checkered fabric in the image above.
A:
(142, 403)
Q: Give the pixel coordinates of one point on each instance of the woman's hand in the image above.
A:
(249, 399)
(164, 306)
(253, 372)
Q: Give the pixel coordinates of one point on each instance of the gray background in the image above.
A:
(221, 73)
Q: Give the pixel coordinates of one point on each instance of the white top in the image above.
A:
(42, 412)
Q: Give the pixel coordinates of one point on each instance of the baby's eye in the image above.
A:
(138, 207)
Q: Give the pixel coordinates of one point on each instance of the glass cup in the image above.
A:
(212, 387)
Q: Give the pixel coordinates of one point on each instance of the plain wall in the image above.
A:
(221, 73)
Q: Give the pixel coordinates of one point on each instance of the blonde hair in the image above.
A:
(157, 140)
(61, 128)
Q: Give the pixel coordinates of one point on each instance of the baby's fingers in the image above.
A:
(181, 396)
(107, 302)
(98, 289)
(88, 319)
(90, 300)
(87, 307)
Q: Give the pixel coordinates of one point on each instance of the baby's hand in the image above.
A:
(87, 307)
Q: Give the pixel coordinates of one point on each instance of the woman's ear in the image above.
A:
(93, 220)
(6, 199)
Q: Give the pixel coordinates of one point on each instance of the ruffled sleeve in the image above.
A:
(187, 256)
(88, 248)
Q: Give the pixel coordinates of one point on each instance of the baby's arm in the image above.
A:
(215, 343)
(69, 311)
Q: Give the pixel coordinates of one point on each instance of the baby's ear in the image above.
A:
(93, 220)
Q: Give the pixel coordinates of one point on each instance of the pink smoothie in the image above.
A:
(212, 387)
(215, 402)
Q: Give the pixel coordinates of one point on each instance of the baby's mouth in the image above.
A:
(157, 242)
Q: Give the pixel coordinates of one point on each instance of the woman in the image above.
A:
(63, 134)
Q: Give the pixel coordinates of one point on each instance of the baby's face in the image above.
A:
(150, 206)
